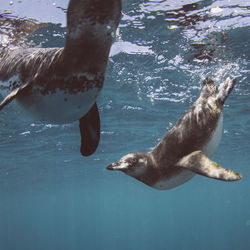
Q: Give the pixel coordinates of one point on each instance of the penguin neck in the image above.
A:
(91, 26)
(151, 172)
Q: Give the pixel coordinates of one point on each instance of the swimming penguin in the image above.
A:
(186, 148)
(60, 85)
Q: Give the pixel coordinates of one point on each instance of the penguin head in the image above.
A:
(134, 164)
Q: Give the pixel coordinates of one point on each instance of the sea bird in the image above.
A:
(186, 148)
(60, 85)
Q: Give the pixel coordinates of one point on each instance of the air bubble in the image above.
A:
(216, 10)
(11, 2)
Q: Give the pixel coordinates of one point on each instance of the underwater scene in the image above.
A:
(52, 197)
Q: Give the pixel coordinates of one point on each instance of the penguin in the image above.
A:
(61, 85)
(187, 147)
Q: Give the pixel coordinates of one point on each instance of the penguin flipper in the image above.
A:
(199, 163)
(90, 131)
(225, 89)
(14, 93)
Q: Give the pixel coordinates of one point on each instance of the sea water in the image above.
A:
(53, 198)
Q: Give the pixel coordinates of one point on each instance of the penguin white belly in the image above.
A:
(210, 148)
(58, 107)
(180, 178)
(185, 175)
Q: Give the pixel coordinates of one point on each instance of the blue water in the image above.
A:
(53, 198)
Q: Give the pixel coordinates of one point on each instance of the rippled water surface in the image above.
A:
(53, 198)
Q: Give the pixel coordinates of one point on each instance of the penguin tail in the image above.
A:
(208, 81)
(225, 89)
(209, 88)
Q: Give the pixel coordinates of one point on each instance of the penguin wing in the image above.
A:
(28, 65)
(90, 131)
(13, 95)
(199, 163)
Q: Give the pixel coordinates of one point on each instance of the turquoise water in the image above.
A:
(53, 198)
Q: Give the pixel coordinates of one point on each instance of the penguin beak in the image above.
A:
(117, 166)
